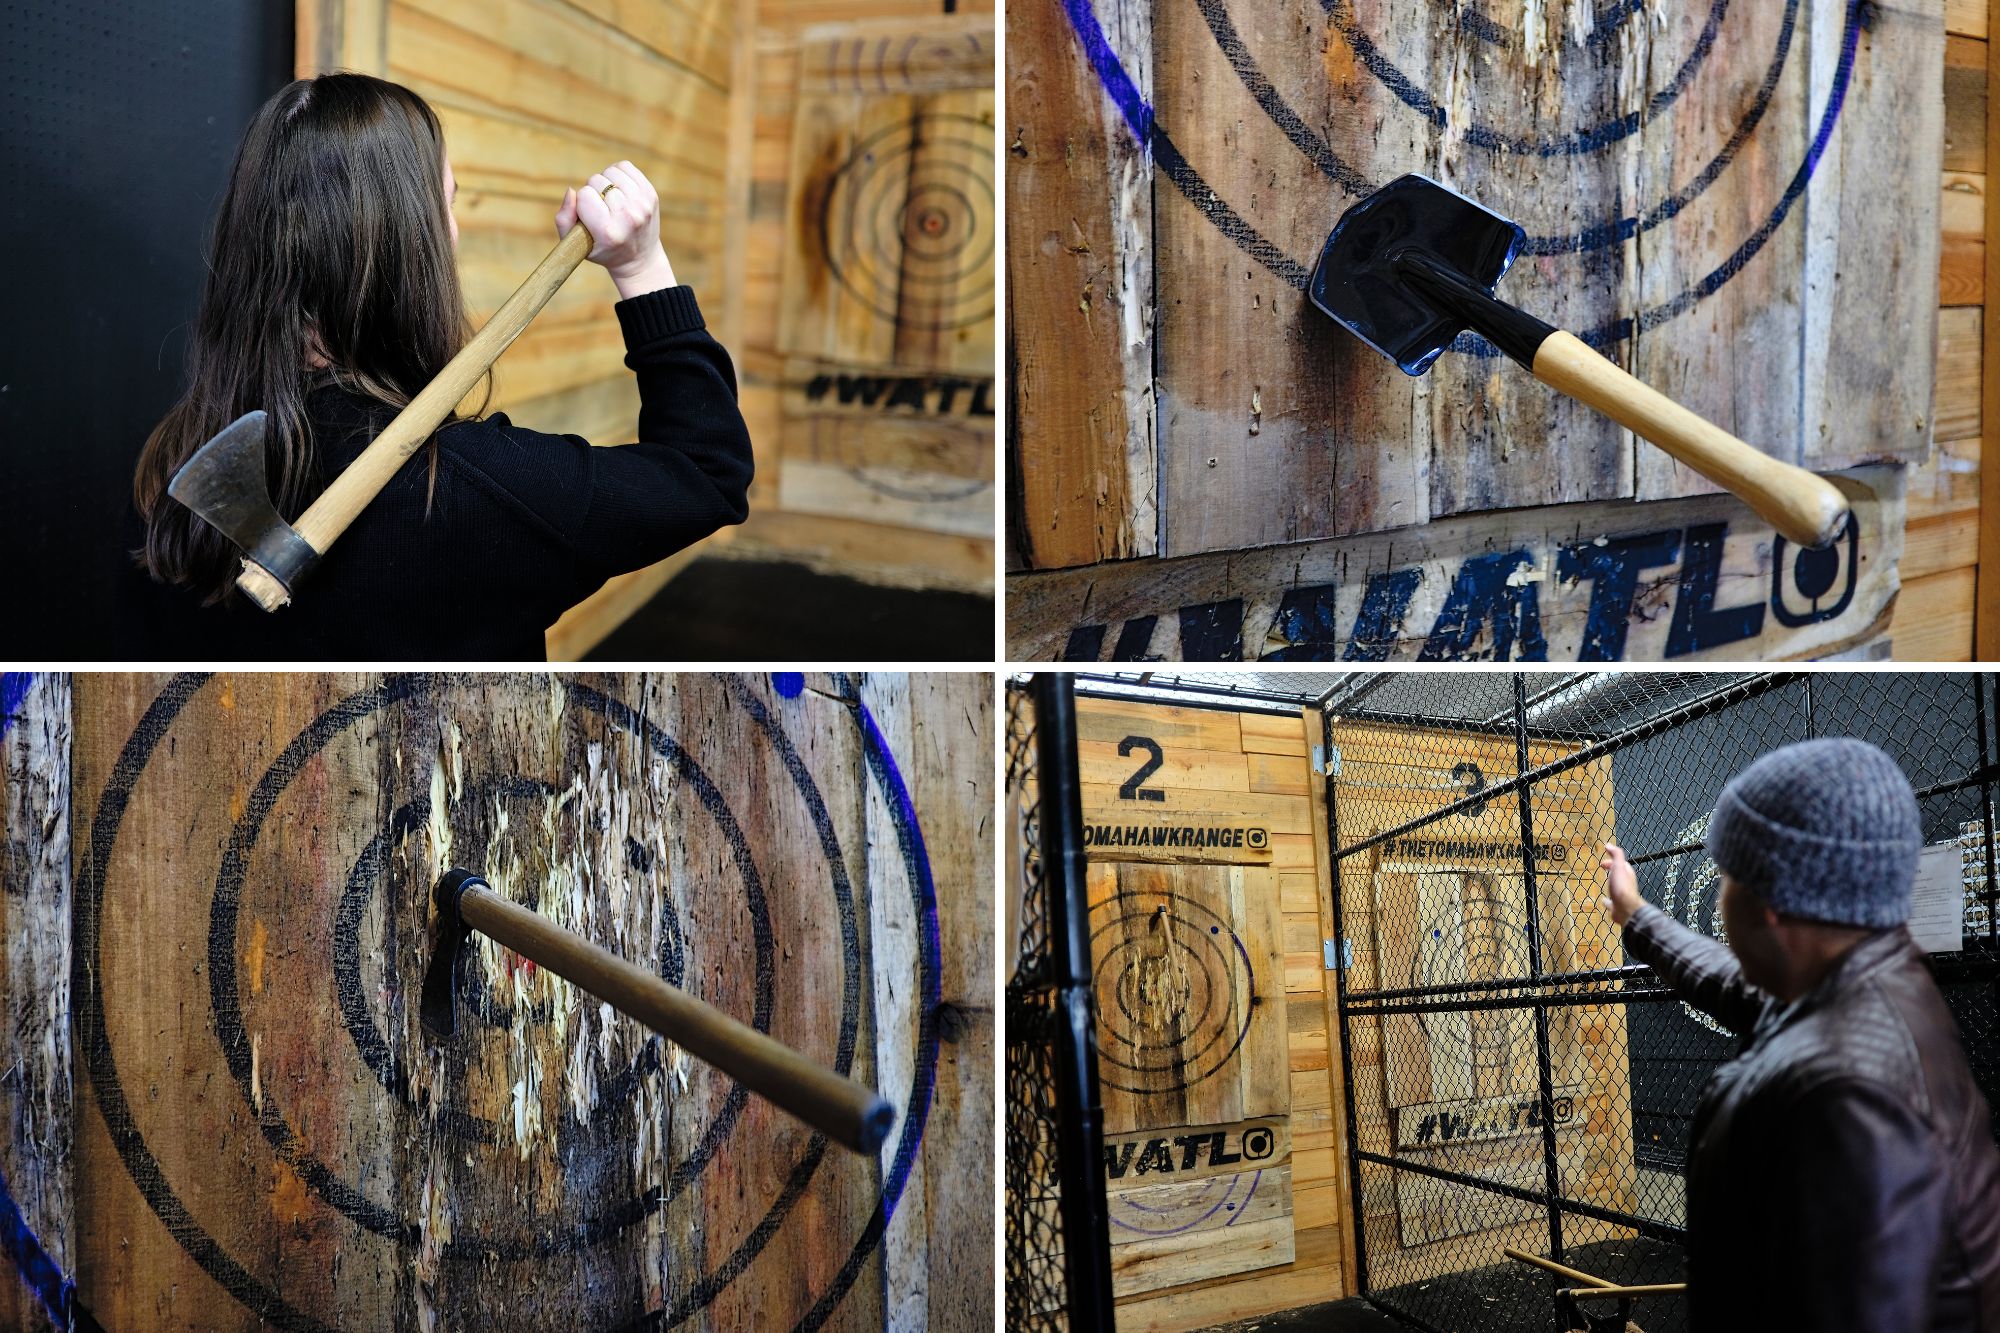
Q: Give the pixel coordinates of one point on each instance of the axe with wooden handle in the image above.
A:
(844, 1110)
(1413, 265)
(224, 482)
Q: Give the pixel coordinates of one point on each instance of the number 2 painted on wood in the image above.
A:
(1134, 788)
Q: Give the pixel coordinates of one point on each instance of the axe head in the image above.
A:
(225, 484)
(1363, 276)
(439, 1006)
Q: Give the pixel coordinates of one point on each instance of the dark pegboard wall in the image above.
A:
(121, 122)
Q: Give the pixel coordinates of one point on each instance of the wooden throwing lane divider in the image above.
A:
(841, 1108)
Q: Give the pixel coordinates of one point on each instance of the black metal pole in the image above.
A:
(1992, 894)
(1543, 1068)
(1079, 1110)
(1339, 984)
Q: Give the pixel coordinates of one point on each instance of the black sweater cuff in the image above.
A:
(662, 314)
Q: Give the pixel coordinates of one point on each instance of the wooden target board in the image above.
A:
(1191, 1056)
(888, 312)
(265, 1135)
(1445, 906)
(1737, 202)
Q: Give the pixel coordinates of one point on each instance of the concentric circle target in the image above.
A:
(1481, 941)
(1694, 898)
(1737, 59)
(1169, 974)
(335, 995)
(908, 222)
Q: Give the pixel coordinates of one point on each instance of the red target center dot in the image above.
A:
(931, 222)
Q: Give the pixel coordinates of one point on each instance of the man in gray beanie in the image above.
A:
(1842, 1172)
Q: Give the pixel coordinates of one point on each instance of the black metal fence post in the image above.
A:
(1544, 1070)
(1080, 1109)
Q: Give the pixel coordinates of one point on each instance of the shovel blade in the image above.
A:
(224, 482)
(1358, 284)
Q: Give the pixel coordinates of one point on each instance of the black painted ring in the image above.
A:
(267, 1305)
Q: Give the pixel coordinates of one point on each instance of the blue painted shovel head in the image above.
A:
(1358, 283)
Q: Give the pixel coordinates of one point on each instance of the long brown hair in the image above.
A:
(332, 245)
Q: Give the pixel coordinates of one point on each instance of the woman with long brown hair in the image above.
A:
(331, 299)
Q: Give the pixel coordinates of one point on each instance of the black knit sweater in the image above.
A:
(519, 527)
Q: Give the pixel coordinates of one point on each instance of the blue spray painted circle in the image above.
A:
(1139, 119)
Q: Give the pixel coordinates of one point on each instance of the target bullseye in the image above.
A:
(1169, 975)
(903, 213)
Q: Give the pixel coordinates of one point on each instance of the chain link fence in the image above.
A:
(1058, 1266)
(1513, 1079)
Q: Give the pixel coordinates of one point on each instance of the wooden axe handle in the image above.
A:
(839, 1107)
(1806, 508)
(339, 504)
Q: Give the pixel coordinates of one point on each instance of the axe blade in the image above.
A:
(224, 482)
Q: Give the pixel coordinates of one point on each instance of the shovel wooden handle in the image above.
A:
(340, 503)
(838, 1107)
(1806, 508)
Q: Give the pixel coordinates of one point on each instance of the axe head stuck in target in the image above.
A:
(1414, 265)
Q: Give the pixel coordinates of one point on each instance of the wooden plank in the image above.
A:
(1959, 378)
(953, 717)
(1207, 729)
(36, 1107)
(1869, 392)
(1962, 218)
(900, 557)
(1312, 727)
(1081, 460)
(1987, 613)
(1193, 1054)
(1966, 18)
(1272, 429)
(1934, 616)
(1464, 589)
(1965, 109)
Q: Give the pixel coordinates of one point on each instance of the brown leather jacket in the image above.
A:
(1843, 1173)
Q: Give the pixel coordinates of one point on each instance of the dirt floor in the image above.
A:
(1505, 1298)
(719, 610)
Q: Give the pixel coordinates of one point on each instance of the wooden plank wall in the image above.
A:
(536, 95)
(1942, 546)
(1052, 88)
(264, 1135)
(761, 199)
(1216, 763)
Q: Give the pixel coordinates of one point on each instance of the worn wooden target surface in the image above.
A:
(274, 1140)
(1735, 201)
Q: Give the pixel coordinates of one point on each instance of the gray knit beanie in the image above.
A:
(1827, 830)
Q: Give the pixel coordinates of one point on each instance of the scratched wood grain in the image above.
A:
(277, 1141)
(1079, 299)
(1706, 200)
(37, 1114)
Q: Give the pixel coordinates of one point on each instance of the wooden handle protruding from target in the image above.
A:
(1804, 507)
(837, 1106)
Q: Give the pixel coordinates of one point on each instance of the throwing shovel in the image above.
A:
(1413, 265)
